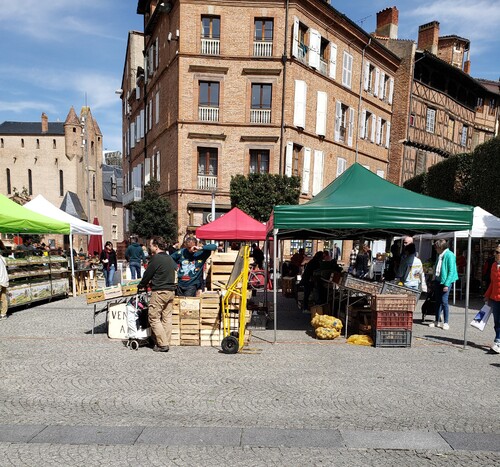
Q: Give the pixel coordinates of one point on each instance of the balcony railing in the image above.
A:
(210, 46)
(208, 114)
(260, 116)
(207, 182)
(135, 194)
(262, 49)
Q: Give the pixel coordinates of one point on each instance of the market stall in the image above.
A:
(32, 278)
(77, 226)
(358, 204)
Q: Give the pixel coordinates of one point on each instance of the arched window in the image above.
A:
(30, 183)
(92, 147)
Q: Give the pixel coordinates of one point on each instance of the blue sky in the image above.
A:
(60, 51)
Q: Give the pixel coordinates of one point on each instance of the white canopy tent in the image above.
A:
(41, 205)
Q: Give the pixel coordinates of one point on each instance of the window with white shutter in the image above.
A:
(362, 124)
(377, 82)
(147, 170)
(347, 70)
(157, 168)
(341, 166)
(463, 137)
(137, 92)
(430, 122)
(132, 134)
(381, 92)
(157, 62)
(373, 126)
(317, 172)
(338, 119)
(295, 39)
(150, 115)
(391, 90)
(306, 170)
(321, 113)
(142, 123)
(387, 134)
(381, 173)
(379, 130)
(299, 115)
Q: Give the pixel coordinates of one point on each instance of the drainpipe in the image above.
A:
(361, 94)
(283, 61)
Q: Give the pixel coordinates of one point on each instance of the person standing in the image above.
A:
(307, 280)
(258, 256)
(161, 274)
(109, 263)
(336, 252)
(413, 272)
(362, 262)
(445, 275)
(191, 260)
(4, 283)
(492, 297)
(135, 257)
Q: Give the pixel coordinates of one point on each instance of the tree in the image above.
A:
(153, 215)
(258, 193)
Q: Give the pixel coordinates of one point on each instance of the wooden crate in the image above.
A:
(393, 302)
(189, 307)
(219, 269)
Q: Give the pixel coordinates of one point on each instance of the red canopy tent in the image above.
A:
(95, 241)
(235, 225)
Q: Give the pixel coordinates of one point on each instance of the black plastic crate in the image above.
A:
(392, 338)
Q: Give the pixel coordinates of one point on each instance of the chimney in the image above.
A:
(428, 36)
(467, 67)
(45, 123)
(387, 23)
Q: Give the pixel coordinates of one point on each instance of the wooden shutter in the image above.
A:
(295, 39)
(321, 113)
(314, 48)
(391, 90)
(377, 81)
(147, 170)
(362, 124)
(374, 122)
(341, 166)
(381, 93)
(288, 159)
(306, 170)
(338, 119)
(387, 134)
(350, 129)
(379, 130)
(366, 76)
(142, 123)
(318, 172)
(157, 107)
(299, 115)
(333, 60)
(156, 54)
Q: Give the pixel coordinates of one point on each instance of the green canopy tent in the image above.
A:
(359, 203)
(15, 218)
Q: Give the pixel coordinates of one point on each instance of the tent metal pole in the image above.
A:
(72, 262)
(467, 282)
(455, 251)
(275, 284)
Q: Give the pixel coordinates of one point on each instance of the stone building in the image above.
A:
(284, 92)
(439, 109)
(53, 159)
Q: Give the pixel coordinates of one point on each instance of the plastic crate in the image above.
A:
(390, 288)
(390, 302)
(392, 320)
(361, 285)
(392, 338)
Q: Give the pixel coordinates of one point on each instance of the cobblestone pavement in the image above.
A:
(88, 400)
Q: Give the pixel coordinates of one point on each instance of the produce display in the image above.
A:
(360, 339)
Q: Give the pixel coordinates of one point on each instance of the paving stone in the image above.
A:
(291, 438)
(195, 436)
(19, 433)
(473, 441)
(88, 435)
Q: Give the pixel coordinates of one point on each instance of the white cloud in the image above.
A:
(18, 107)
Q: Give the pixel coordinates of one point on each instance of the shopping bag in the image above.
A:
(482, 317)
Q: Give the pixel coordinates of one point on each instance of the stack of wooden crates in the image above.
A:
(392, 319)
(196, 320)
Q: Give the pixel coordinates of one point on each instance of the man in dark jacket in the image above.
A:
(161, 273)
(135, 257)
(191, 260)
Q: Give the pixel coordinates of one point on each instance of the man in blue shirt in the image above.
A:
(191, 260)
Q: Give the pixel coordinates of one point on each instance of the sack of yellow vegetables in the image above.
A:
(325, 321)
(326, 333)
(360, 339)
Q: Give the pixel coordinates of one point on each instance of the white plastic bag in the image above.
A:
(482, 317)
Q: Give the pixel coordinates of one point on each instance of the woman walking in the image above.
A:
(108, 261)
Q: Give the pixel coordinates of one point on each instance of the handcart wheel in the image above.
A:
(230, 345)
(134, 345)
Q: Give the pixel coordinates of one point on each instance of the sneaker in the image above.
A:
(446, 326)
(159, 348)
(434, 324)
(3, 316)
(496, 347)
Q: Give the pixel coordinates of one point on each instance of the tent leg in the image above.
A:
(467, 282)
(275, 285)
(72, 259)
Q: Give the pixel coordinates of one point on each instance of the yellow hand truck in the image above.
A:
(237, 285)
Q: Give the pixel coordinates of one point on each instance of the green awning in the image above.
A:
(15, 218)
(360, 203)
